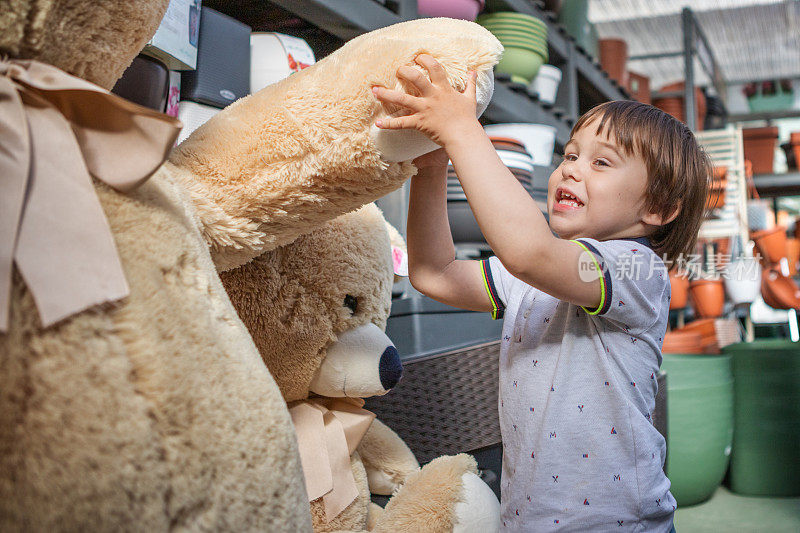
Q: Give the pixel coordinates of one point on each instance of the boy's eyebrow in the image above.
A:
(571, 141)
(612, 147)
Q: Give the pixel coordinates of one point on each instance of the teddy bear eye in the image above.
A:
(351, 302)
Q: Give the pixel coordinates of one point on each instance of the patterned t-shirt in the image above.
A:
(577, 389)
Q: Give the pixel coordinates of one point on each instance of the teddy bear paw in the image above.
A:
(479, 510)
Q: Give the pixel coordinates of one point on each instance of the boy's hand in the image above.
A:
(440, 111)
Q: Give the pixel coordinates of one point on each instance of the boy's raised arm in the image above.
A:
(433, 269)
(509, 218)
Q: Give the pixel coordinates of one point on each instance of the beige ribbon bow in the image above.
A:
(56, 131)
(328, 432)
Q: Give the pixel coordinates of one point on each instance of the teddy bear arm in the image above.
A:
(277, 164)
(387, 459)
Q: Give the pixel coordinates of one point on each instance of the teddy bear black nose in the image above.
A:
(390, 368)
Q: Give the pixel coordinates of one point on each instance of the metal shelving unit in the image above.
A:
(774, 185)
(695, 45)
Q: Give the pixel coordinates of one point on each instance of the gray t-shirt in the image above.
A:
(577, 386)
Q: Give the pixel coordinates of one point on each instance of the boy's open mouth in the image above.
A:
(565, 198)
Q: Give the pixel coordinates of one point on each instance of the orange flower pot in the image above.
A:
(613, 58)
(674, 105)
(682, 342)
(793, 254)
(779, 291)
(771, 243)
(708, 296)
(706, 328)
(716, 192)
(759, 147)
(679, 289)
(639, 87)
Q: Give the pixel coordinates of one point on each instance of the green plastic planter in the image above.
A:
(520, 63)
(699, 423)
(766, 439)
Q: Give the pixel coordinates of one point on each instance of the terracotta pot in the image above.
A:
(794, 140)
(721, 256)
(639, 87)
(708, 296)
(792, 254)
(613, 58)
(779, 291)
(771, 243)
(759, 147)
(716, 192)
(674, 105)
(679, 289)
(682, 342)
(706, 328)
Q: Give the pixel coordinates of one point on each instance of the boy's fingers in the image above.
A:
(415, 78)
(434, 68)
(395, 123)
(395, 97)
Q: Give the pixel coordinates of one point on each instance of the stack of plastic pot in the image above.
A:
(766, 436)
(699, 423)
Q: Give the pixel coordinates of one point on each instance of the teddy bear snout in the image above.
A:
(362, 362)
(390, 368)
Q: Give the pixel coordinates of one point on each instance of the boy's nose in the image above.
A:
(569, 170)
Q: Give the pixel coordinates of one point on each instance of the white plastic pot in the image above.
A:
(539, 139)
(743, 280)
(546, 82)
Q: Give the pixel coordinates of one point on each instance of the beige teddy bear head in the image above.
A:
(329, 295)
(94, 40)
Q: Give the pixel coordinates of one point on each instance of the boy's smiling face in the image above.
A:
(598, 190)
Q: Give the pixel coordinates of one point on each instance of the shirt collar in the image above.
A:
(641, 240)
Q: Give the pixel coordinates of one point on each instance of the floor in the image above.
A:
(729, 512)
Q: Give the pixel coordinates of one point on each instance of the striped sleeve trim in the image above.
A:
(498, 309)
(605, 279)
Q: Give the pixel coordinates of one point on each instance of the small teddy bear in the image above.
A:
(317, 309)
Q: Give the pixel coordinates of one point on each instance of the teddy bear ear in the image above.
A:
(399, 253)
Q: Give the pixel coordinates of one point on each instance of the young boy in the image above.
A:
(585, 309)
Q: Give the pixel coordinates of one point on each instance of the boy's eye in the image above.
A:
(601, 162)
(570, 157)
(351, 302)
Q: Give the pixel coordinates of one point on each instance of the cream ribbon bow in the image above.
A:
(328, 432)
(56, 131)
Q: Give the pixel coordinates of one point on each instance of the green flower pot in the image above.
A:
(766, 438)
(699, 423)
(520, 63)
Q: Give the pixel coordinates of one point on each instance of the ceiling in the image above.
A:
(751, 40)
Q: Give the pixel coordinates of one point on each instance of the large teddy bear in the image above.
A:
(152, 409)
(317, 309)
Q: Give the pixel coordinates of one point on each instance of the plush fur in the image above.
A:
(157, 412)
(291, 300)
(311, 163)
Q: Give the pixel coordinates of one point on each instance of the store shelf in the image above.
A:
(511, 103)
(563, 48)
(350, 18)
(772, 185)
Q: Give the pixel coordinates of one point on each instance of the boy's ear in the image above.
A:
(657, 219)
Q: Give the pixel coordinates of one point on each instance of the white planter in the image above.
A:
(539, 139)
(743, 280)
(546, 82)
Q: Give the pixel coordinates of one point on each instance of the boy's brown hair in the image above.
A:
(678, 169)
